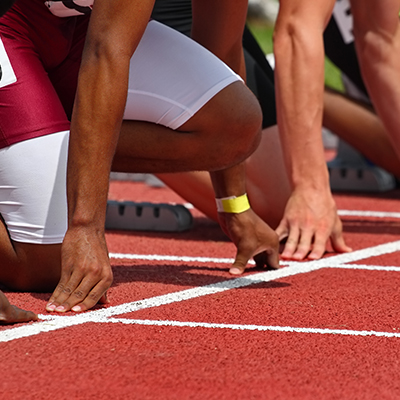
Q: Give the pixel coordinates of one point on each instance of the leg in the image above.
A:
(202, 117)
(361, 128)
(222, 133)
(377, 39)
(267, 184)
(33, 206)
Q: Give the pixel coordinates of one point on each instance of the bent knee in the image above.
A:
(240, 112)
(230, 124)
(37, 268)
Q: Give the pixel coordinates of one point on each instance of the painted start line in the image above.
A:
(108, 315)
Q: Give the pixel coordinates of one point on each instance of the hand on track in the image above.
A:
(85, 274)
(253, 238)
(310, 220)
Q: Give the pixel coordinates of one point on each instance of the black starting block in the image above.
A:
(160, 217)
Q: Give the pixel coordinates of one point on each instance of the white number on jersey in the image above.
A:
(344, 20)
(69, 8)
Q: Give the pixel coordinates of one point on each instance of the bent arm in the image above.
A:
(299, 78)
(310, 216)
(115, 30)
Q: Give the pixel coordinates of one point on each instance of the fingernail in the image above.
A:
(60, 308)
(50, 307)
(235, 271)
(76, 308)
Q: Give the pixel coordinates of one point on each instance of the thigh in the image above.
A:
(65, 76)
(33, 201)
(172, 77)
(32, 104)
(380, 16)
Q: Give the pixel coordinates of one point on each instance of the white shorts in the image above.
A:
(171, 78)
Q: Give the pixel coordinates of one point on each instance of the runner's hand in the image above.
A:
(253, 238)
(85, 273)
(309, 221)
(10, 314)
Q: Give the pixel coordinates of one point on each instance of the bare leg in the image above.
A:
(377, 39)
(361, 128)
(267, 184)
(28, 267)
(205, 141)
(216, 137)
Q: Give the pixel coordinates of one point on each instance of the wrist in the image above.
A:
(233, 204)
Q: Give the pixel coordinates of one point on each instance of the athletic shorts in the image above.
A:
(171, 78)
(177, 14)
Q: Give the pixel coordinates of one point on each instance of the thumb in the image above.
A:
(104, 299)
(240, 263)
(282, 230)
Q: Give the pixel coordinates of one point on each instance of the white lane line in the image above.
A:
(339, 259)
(346, 332)
(388, 268)
(159, 257)
(376, 214)
(59, 322)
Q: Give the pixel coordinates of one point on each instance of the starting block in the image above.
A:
(350, 171)
(159, 217)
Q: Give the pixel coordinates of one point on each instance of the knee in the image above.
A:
(239, 125)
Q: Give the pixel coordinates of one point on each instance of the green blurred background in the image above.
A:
(262, 31)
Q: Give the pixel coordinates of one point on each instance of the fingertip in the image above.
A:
(314, 256)
(236, 271)
(50, 307)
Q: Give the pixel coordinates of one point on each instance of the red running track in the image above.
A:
(179, 327)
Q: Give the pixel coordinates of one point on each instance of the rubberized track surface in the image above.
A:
(179, 327)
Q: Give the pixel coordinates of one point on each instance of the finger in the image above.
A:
(304, 245)
(94, 297)
(338, 243)
(87, 288)
(104, 299)
(319, 247)
(240, 263)
(267, 259)
(272, 259)
(291, 243)
(53, 301)
(282, 231)
(63, 291)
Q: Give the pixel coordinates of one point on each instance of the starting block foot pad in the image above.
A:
(361, 179)
(350, 171)
(159, 217)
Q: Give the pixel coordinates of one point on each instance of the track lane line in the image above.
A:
(53, 322)
(271, 328)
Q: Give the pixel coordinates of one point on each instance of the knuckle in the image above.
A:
(79, 294)
(64, 289)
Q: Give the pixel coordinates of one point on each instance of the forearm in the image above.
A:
(92, 145)
(115, 30)
(299, 76)
(229, 182)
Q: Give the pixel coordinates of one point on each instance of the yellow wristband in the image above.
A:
(233, 204)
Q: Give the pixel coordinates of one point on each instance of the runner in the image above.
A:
(171, 110)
